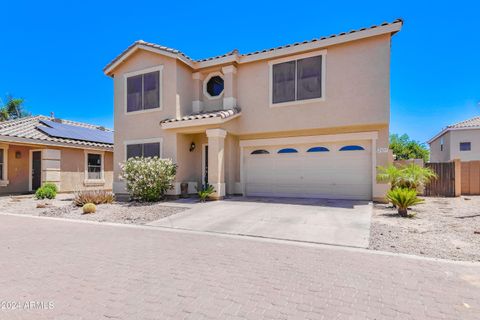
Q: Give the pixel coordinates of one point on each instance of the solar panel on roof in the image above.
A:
(67, 131)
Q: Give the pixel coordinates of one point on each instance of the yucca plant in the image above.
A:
(403, 198)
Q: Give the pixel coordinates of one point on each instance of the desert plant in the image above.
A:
(148, 179)
(93, 196)
(47, 191)
(411, 176)
(89, 208)
(50, 185)
(403, 198)
(205, 191)
(415, 176)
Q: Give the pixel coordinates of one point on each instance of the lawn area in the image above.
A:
(446, 228)
(62, 207)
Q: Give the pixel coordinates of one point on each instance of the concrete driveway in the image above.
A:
(338, 222)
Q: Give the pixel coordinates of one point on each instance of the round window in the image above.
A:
(215, 86)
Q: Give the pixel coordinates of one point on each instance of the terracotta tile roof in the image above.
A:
(470, 123)
(236, 52)
(26, 128)
(222, 114)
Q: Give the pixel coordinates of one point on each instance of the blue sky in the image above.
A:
(52, 53)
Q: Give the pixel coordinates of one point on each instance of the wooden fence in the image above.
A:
(448, 179)
(470, 177)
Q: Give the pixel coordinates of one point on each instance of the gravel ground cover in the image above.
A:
(62, 207)
(447, 228)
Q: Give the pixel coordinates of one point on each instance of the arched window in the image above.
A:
(351, 148)
(288, 150)
(318, 149)
(260, 151)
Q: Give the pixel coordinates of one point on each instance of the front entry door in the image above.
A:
(36, 170)
(205, 166)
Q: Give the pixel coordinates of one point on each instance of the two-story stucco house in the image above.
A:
(309, 119)
(457, 141)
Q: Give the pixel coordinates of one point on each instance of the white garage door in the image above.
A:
(327, 170)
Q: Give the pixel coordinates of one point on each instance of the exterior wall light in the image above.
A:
(192, 146)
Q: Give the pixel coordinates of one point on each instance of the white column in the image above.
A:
(216, 161)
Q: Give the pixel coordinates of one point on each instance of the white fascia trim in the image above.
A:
(50, 143)
(441, 133)
(198, 122)
(310, 139)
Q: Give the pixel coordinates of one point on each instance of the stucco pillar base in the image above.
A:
(216, 161)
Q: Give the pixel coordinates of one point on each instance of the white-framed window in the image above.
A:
(94, 166)
(213, 85)
(3, 165)
(143, 148)
(143, 90)
(299, 79)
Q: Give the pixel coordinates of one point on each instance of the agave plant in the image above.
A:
(403, 198)
(205, 191)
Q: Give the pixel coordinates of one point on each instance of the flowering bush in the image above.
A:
(148, 179)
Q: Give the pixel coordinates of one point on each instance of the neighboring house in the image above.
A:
(457, 141)
(38, 149)
(308, 119)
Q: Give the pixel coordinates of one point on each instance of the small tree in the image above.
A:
(411, 176)
(148, 179)
(12, 108)
(404, 148)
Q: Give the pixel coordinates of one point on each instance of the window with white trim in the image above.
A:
(94, 166)
(143, 150)
(2, 163)
(465, 146)
(143, 91)
(297, 80)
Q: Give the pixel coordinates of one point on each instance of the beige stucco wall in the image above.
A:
(72, 171)
(71, 175)
(357, 99)
(438, 155)
(472, 136)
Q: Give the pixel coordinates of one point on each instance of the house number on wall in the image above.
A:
(382, 150)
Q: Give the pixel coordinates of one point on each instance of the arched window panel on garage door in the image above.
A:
(260, 151)
(318, 149)
(352, 148)
(287, 150)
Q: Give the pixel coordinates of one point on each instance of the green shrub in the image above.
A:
(50, 185)
(205, 191)
(411, 176)
(148, 179)
(47, 191)
(89, 208)
(93, 196)
(403, 198)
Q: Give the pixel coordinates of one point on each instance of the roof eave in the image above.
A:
(197, 122)
(12, 139)
(447, 129)
(391, 28)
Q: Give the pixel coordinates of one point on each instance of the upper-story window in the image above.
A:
(442, 141)
(297, 80)
(143, 90)
(213, 85)
(465, 146)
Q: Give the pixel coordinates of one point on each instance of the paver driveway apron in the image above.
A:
(339, 222)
